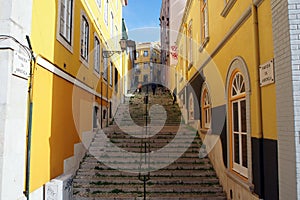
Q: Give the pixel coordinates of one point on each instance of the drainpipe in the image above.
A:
(258, 100)
(29, 123)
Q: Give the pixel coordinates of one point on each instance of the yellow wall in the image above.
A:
(62, 112)
(240, 44)
(268, 93)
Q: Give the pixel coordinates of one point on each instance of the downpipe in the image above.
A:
(29, 122)
(258, 100)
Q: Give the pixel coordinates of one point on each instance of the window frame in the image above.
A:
(237, 98)
(67, 43)
(97, 51)
(105, 68)
(84, 38)
(99, 4)
(205, 108)
(145, 52)
(111, 66)
(204, 24)
(106, 11)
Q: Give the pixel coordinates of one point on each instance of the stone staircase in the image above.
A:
(127, 158)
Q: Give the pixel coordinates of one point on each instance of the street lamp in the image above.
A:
(110, 53)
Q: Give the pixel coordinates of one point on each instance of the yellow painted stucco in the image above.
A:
(241, 43)
(62, 112)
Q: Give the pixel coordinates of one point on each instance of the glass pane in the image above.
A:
(236, 149)
(244, 150)
(235, 112)
(243, 116)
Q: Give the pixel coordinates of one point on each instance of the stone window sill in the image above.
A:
(227, 8)
(204, 43)
(238, 180)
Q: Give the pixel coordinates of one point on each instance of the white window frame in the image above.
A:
(67, 42)
(98, 2)
(206, 107)
(240, 95)
(112, 26)
(84, 39)
(106, 12)
(97, 55)
(204, 24)
(105, 68)
(190, 30)
(111, 74)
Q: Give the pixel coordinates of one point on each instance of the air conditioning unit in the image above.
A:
(59, 188)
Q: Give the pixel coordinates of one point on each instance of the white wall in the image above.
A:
(15, 20)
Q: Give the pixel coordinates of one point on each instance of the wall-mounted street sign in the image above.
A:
(21, 65)
(266, 73)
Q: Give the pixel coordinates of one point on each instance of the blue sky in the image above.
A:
(142, 19)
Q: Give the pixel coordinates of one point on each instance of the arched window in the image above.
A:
(238, 124)
(191, 107)
(206, 108)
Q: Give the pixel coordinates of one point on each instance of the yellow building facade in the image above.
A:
(76, 74)
(147, 64)
(223, 51)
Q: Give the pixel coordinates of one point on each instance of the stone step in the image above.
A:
(181, 174)
(153, 180)
(160, 173)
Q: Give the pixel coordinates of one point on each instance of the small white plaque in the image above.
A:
(266, 73)
(21, 65)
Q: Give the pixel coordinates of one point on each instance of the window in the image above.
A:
(97, 56)
(112, 25)
(191, 107)
(106, 12)
(116, 79)
(238, 128)
(137, 54)
(206, 108)
(190, 43)
(84, 40)
(65, 28)
(98, 3)
(111, 73)
(145, 53)
(204, 21)
(105, 67)
(146, 65)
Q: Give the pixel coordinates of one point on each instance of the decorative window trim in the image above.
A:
(205, 91)
(238, 64)
(227, 8)
(95, 71)
(59, 37)
(85, 61)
